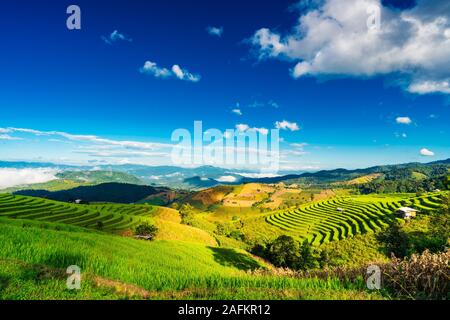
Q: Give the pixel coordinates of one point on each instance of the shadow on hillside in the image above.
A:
(4, 282)
(61, 259)
(232, 258)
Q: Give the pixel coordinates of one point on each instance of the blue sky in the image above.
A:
(207, 58)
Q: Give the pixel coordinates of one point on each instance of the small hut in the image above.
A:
(407, 213)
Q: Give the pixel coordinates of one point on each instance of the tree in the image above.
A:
(396, 241)
(146, 230)
(307, 259)
(440, 227)
(284, 252)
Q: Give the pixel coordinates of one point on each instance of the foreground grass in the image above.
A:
(33, 261)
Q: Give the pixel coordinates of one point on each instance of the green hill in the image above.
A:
(99, 176)
(342, 217)
(34, 257)
(72, 179)
(105, 192)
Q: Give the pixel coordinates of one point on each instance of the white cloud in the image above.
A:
(242, 127)
(286, 125)
(10, 177)
(403, 120)
(423, 87)
(93, 139)
(237, 111)
(401, 135)
(153, 69)
(8, 137)
(427, 153)
(258, 175)
(226, 179)
(176, 71)
(116, 36)
(260, 104)
(298, 145)
(215, 31)
(262, 131)
(333, 39)
(183, 74)
(245, 127)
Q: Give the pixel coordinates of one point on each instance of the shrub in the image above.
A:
(424, 276)
(395, 240)
(286, 252)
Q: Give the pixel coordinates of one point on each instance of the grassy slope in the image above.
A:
(33, 260)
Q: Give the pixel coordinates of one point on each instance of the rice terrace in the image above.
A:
(248, 154)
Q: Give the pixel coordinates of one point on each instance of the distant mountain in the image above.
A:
(407, 171)
(24, 164)
(208, 176)
(105, 192)
(98, 176)
(200, 183)
(178, 177)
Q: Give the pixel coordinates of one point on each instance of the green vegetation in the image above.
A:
(343, 217)
(286, 252)
(72, 179)
(197, 253)
(430, 233)
(146, 231)
(157, 269)
(113, 217)
(105, 192)
(99, 176)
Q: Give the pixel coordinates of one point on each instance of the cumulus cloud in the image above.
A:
(183, 74)
(245, 127)
(427, 153)
(286, 125)
(115, 36)
(176, 71)
(152, 68)
(10, 177)
(215, 31)
(403, 120)
(237, 111)
(333, 38)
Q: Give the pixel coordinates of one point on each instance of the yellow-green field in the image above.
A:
(342, 217)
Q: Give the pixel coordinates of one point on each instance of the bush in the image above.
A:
(286, 252)
(395, 240)
(146, 230)
(187, 214)
(424, 276)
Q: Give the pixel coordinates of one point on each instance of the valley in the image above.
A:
(213, 243)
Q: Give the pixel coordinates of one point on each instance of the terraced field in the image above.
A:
(108, 217)
(342, 217)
